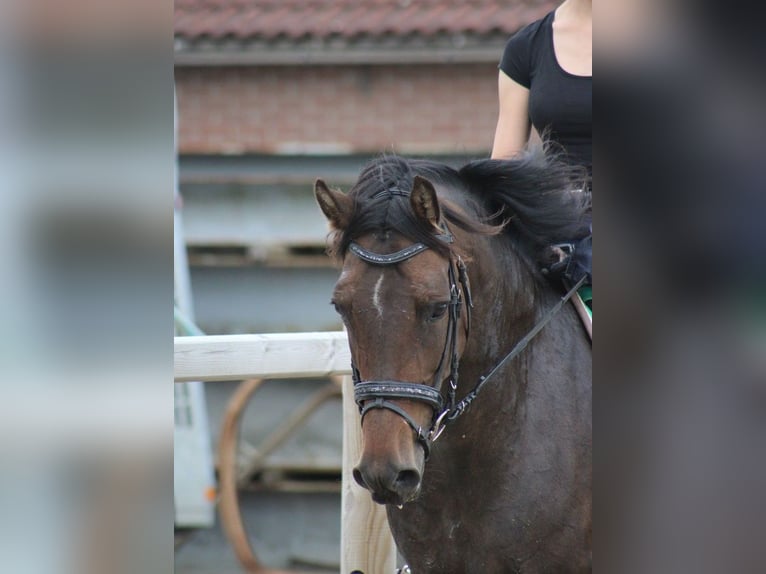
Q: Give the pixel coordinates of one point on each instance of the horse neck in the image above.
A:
(506, 299)
(508, 305)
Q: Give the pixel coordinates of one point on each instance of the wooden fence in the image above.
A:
(366, 543)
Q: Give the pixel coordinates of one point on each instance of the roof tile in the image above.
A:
(269, 19)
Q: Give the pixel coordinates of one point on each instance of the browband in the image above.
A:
(387, 258)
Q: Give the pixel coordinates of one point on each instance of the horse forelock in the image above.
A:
(381, 203)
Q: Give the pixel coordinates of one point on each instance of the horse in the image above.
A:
(472, 376)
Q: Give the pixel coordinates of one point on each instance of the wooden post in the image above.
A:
(366, 542)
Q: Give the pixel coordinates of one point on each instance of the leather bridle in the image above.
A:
(376, 394)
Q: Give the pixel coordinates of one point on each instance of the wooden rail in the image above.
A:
(366, 542)
(273, 356)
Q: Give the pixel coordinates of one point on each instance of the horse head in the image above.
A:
(402, 295)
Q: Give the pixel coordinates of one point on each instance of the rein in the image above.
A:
(370, 395)
(460, 408)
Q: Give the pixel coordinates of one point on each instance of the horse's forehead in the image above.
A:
(419, 275)
(383, 241)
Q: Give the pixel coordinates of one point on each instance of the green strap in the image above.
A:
(586, 294)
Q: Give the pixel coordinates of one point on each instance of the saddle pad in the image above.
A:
(583, 301)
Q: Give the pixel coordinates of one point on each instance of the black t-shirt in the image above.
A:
(559, 102)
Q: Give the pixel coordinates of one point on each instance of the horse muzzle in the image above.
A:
(388, 483)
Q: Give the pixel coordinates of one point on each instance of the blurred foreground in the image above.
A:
(86, 402)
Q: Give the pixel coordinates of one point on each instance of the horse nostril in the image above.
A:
(357, 474)
(408, 480)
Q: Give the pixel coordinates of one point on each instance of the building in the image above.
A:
(273, 94)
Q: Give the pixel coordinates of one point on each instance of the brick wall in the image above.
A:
(407, 109)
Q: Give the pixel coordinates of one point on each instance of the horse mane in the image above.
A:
(543, 199)
(529, 197)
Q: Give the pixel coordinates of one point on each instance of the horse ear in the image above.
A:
(335, 205)
(424, 203)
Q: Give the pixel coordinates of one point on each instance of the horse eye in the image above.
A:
(341, 309)
(438, 310)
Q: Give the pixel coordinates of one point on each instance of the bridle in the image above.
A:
(375, 394)
(371, 395)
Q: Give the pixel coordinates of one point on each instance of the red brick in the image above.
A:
(258, 110)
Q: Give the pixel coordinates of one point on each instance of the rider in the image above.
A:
(545, 81)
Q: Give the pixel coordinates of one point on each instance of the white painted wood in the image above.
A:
(270, 356)
(193, 476)
(367, 544)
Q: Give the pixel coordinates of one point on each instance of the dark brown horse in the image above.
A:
(456, 335)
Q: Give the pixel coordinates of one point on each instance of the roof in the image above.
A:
(318, 28)
(298, 19)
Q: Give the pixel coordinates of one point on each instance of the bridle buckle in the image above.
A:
(438, 426)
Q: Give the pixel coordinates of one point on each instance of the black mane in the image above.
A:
(544, 199)
(530, 196)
